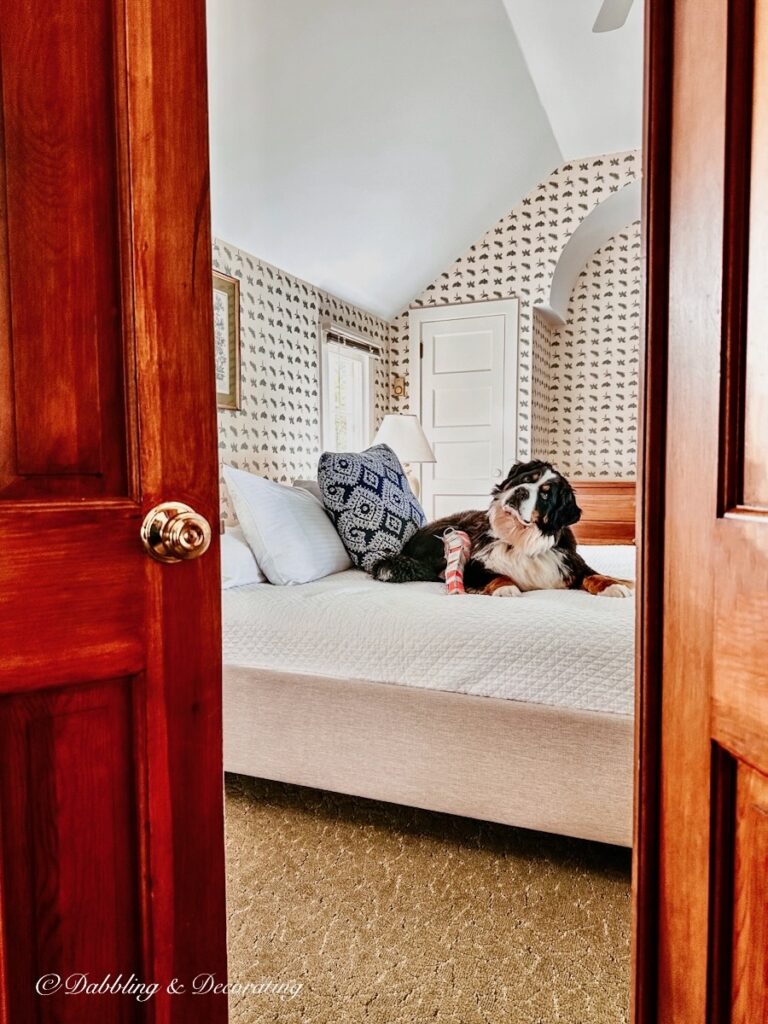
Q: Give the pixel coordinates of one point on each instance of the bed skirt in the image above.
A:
(538, 767)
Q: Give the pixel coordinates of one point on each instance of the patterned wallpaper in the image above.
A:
(577, 383)
(518, 256)
(541, 338)
(276, 432)
(593, 367)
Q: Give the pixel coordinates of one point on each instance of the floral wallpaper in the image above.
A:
(276, 431)
(517, 257)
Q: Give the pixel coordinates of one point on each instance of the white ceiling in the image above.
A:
(363, 144)
(590, 83)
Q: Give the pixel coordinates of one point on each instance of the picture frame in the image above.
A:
(226, 339)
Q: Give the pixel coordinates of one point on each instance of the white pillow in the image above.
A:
(611, 559)
(312, 486)
(287, 529)
(238, 563)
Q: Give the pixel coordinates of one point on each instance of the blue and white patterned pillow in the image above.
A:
(370, 502)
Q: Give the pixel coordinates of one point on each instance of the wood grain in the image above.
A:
(607, 511)
(756, 392)
(82, 597)
(171, 264)
(72, 815)
(750, 918)
(62, 361)
(698, 904)
(652, 447)
(739, 692)
(111, 795)
(696, 241)
(696, 253)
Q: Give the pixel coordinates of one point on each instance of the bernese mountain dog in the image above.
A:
(523, 542)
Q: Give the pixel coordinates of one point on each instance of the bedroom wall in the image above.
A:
(276, 432)
(594, 359)
(517, 256)
(541, 338)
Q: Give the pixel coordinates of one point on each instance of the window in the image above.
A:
(347, 376)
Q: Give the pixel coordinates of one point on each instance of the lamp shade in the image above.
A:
(403, 433)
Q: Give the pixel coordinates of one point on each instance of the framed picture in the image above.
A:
(226, 339)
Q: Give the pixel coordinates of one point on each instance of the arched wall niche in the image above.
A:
(614, 213)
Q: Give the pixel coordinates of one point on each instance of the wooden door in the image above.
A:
(701, 944)
(111, 832)
(466, 399)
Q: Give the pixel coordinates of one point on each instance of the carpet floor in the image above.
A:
(344, 910)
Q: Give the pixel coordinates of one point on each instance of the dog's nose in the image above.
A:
(518, 496)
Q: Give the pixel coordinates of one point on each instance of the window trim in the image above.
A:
(368, 350)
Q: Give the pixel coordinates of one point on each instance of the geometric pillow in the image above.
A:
(370, 502)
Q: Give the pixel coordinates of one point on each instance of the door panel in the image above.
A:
(111, 803)
(74, 818)
(81, 595)
(466, 407)
(750, 918)
(61, 365)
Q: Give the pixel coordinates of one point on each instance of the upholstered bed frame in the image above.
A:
(545, 768)
(550, 769)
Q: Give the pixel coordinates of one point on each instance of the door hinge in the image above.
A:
(421, 350)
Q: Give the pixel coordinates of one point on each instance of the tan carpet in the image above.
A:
(390, 915)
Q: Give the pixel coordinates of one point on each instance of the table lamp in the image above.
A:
(403, 433)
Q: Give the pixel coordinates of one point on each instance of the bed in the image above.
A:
(515, 710)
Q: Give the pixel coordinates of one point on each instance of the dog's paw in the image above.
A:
(509, 591)
(616, 590)
(382, 571)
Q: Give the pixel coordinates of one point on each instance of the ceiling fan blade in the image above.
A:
(612, 15)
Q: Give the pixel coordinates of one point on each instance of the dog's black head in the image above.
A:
(538, 496)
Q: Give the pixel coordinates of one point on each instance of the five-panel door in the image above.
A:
(466, 397)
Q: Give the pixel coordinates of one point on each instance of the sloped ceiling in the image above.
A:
(590, 84)
(363, 144)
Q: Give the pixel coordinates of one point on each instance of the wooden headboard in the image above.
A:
(608, 511)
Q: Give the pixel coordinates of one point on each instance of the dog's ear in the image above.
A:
(566, 512)
(509, 479)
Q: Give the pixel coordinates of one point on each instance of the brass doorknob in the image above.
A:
(173, 532)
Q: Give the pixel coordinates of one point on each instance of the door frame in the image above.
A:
(652, 441)
(509, 308)
(652, 438)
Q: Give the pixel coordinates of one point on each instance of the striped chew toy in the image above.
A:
(457, 546)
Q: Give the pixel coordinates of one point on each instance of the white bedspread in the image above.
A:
(562, 648)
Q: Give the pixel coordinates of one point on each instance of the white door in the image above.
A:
(466, 397)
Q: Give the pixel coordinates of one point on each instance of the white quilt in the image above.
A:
(562, 648)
